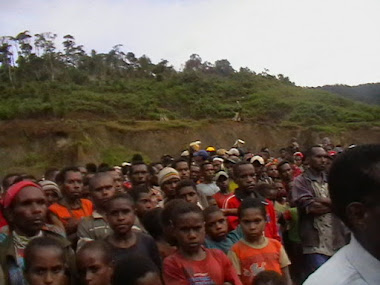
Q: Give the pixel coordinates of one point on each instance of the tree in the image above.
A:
(223, 67)
(194, 63)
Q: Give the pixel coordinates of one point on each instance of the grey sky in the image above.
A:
(312, 42)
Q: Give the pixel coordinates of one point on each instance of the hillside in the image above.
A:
(367, 93)
(68, 107)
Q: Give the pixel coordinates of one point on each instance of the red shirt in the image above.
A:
(220, 198)
(271, 229)
(216, 268)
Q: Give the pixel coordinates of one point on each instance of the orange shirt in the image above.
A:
(64, 214)
(249, 260)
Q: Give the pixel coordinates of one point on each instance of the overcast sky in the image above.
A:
(314, 42)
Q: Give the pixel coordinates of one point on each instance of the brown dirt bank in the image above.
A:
(33, 145)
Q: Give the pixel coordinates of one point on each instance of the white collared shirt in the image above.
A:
(351, 265)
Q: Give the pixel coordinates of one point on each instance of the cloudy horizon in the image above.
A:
(314, 43)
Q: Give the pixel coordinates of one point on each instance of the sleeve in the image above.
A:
(235, 261)
(173, 273)
(284, 259)
(230, 274)
(272, 225)
(84, 235)
(301, 193)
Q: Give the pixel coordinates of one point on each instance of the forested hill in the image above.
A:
(39, 80)
(367, 93)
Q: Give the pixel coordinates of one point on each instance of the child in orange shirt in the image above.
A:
(255, 252)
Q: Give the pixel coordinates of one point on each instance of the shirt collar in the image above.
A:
(364, 262)
(314, 177)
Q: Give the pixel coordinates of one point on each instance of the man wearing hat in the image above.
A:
(222, 181)
(25, 209)
(168, 179)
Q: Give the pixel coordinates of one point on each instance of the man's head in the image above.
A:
(71, 182)
(25, 208)
(139, 173)
(207, 171)
(168, 179)
(195, 172)
(245, 176)
(182, 166)
(316, 156)
(222, 181)
(102, 188)
(217, 162)
(285, 171)
(354, 185)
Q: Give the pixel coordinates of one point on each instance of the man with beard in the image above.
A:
(95, 227)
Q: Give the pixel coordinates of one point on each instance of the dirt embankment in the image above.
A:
(33, 145)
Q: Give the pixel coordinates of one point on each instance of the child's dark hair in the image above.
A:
(186, 183)
(181, 159)
(123, 196)
(255, 203)
(269, 277)
(131, 268)
(98, 245)
(354, 177)
(167, 212)
(138, 190)
(210, 210)
(263, 188)
(42, 242)
(61, 176)
(152, 222)
(183, 209)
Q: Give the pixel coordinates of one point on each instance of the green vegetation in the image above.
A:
(42, 82)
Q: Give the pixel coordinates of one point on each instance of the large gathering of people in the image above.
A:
(299, 215)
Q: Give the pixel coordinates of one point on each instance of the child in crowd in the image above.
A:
(192, 263)
(46, 262)
(222, 181)
(137, 270)
(217, 230)
(123, 240)
(187, 190)
(255, 252)
(95, 264)
(152, 222)
(269, 277)
(142, 197)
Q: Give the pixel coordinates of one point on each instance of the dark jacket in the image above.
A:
(303, 195)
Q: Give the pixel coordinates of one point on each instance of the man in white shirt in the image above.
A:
(354, 184)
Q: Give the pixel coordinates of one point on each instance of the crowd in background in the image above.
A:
(208, 216)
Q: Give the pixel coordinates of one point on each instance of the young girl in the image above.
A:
(123, 241)
(255, 252)
(46, 262)
(95, 264)
(192, 263)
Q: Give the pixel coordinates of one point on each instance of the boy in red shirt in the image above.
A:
(193, 264)
(245, 177)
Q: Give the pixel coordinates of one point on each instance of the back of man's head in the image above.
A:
(354, 184)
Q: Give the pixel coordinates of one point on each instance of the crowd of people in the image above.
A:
(209, 216)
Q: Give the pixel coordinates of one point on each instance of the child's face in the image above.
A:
(216, 225)
(144, 203)
(92, 268)
(189, 194)
(189, 231)
(151, 278)
(252, 223)
(121, 216)
(47, 267)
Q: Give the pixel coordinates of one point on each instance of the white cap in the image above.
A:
(257, 158)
